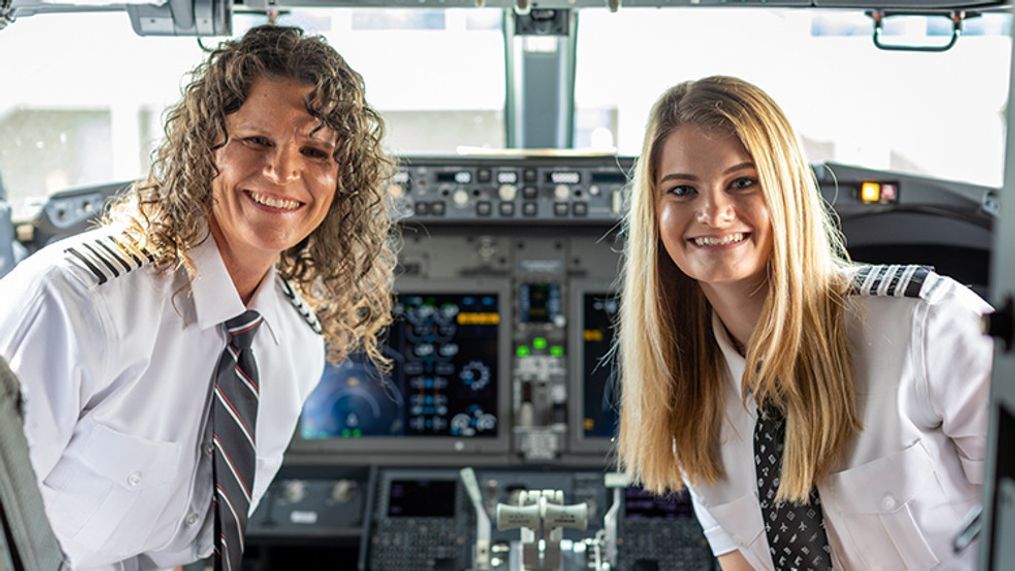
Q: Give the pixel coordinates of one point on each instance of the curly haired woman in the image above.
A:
(165, 356)
(823, 414)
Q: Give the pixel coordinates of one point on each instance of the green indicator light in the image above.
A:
(539, 343)
(345, 433)
(557, 351)
(356, 433)
(522, 351)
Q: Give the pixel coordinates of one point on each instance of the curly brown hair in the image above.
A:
(344, 268)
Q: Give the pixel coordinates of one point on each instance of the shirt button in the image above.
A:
(888, 502)
(209, 449)
(190, 520)
(134, 479)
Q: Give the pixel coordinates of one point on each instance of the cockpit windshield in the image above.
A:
(940, 115)
(91, 113)
(935, 114)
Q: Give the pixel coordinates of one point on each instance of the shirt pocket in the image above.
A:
(876, 502)
(742, 520)
(106, 493)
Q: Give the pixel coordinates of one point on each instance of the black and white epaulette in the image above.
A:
(890, 280)
(301, 306)
(107, 257)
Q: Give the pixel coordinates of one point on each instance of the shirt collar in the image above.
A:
(215, 296)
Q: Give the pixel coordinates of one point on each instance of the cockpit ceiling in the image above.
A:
(30, 7)
(914, 5)
(920, 5)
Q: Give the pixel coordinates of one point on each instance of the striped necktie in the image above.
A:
(234, 415)
(796, 532)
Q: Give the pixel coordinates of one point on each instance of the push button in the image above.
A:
(422, 208)
(437, 208)
(507, 208)
(483, 208)
(530, 209)
(529, 192)
(529, 175)
(560, 209)
(580, 209)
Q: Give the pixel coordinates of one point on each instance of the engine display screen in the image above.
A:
(444, 349)
(601, 394)
(539, 302)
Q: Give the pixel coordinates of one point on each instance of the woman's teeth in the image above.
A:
(280, 203)
(727, 239)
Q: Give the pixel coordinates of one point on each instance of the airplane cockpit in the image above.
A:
(516, 127)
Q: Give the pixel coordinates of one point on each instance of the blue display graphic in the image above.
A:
(443, 383)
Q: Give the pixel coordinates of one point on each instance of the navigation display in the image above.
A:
(444, 349)
(601, 396)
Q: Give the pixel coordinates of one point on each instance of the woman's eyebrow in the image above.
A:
(745, 164)
(678, 176)
(693, 178)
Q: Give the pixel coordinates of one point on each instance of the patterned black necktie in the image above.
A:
(796, 532)
(234, 417)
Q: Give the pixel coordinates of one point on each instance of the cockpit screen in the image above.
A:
(539, 302)
(421, 498)
(601, 397)
(639, 504)
(443, 383)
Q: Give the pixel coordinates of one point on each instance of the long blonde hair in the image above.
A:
(671, 366)
(344, 268)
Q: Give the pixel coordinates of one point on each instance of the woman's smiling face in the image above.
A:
(277, 177)
(712, 216)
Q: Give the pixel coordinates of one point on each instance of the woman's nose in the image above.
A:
(284, 164)
(716, 210)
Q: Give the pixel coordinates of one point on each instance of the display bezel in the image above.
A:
(577, 441)
(428, 445)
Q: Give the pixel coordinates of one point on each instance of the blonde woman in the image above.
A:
(165, 356)
(822, 414)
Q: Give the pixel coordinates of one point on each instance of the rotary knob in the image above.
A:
(343, 491)
(294, 491)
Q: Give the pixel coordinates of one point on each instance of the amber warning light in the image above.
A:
(879, 192)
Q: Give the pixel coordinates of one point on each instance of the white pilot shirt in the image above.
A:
(922, 373)
(117, 381)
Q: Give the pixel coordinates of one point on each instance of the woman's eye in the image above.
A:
(259, 141)
(743, 182)
(682, 190)
(315, 153)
